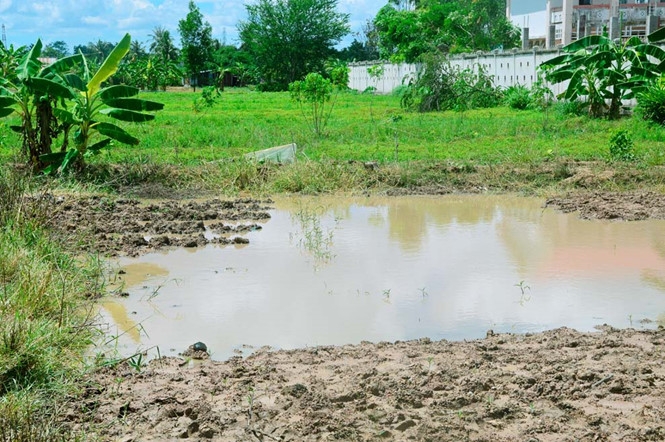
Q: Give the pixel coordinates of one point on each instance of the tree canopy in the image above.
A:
(409, 29)
(56, 49)
(290, 38)
(196, 41)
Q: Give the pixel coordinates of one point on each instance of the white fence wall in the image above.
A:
(507, 68)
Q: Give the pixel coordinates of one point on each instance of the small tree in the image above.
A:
(315, 91)
(197, 44)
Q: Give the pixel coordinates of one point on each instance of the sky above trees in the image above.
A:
(81, 21)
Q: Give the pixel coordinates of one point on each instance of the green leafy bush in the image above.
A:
(315, 91)
(621, 146)
(651, 103)
(518, 97)
(440, 86)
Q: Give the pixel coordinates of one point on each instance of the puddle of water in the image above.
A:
(336, 271)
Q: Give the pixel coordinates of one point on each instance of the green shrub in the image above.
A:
(651, 103)
(441, 86)
(571, 107)
(518, 97)
(621, 146)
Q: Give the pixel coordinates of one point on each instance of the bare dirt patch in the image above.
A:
(628, 206)
(559, 385)
(131, 227)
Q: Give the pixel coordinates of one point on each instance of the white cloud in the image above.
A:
(81, 21)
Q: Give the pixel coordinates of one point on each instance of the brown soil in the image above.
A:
(559, 385)
(129, 227)
(605, 205)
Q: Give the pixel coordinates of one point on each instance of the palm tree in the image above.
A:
(162, 44)
(136, 50)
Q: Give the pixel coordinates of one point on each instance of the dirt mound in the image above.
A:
(131, 227)
(627, 206)
(559, 385)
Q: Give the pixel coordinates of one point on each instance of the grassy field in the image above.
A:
(497, 149)
(365, 127)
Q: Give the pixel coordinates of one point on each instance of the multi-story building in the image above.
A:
(570, 20)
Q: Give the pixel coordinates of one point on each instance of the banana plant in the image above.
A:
(92, 100)
(602, 71)
(30, 90)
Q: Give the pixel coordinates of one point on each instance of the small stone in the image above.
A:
(406, 425)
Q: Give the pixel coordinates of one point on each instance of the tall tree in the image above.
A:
(137, 50)
(56, 49)
(290, 38)
(196, 41)
(162, 44)
(449, 26)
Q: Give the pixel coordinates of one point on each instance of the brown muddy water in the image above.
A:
(331, 271)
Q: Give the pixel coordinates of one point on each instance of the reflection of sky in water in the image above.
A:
(403, 268)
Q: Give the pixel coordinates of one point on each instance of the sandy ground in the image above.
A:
(559, 385)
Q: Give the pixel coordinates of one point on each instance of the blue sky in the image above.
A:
(528, 6)
(82, 21)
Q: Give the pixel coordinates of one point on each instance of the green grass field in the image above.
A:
(366, 128)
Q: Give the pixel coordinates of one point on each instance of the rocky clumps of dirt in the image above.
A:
(131, 227)
(628, 206)
(560, 385)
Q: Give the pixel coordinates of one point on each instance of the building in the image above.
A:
(570, 20)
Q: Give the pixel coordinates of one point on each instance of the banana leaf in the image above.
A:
(127, 115)
(6, 101)
(50, 87)
(30, 65)
(110, 65)
(118, 91)
(135, 104)
(115, 132)
(5, 111)
(95, 148)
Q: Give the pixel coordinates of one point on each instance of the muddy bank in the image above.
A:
(627, 206)
(131, 227)
(559, 385)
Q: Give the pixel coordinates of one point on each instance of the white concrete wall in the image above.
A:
(507, 69)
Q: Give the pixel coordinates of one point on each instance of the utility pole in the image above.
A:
(4, 36)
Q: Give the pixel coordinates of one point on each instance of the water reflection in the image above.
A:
(446, 267)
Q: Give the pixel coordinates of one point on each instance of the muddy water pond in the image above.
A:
(336, 271)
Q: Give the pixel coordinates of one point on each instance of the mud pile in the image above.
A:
(131, 227)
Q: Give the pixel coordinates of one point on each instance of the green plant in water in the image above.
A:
(524, 297)
(621, 146)
(315, 239)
